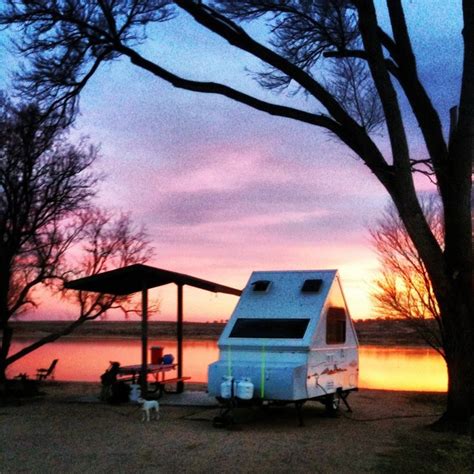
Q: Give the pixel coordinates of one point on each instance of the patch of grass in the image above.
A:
(424, 451)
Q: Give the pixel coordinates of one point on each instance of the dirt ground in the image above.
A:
(387, 432)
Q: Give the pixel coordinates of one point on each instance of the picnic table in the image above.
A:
(131, 373)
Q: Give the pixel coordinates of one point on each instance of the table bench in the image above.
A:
(130, 373)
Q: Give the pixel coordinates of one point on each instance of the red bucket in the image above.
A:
(156, 354)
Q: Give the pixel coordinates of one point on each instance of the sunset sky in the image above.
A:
(225, 190)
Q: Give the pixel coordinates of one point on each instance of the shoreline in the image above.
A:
(78, 338)
(386, 333)
(65, 386)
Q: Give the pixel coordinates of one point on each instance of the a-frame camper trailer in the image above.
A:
(290, 338)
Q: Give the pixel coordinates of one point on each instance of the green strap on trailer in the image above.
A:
(229, 361)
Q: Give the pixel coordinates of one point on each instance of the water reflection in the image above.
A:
(382, 368)
(402, 368)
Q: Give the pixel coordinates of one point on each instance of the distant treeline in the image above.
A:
(385, 332)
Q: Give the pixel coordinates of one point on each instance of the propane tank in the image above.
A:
(135, 392)
(245, 389)
(226, 386)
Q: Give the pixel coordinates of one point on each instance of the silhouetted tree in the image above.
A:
(66, 42)
(46, 188)
(403, 289)
(104, 242)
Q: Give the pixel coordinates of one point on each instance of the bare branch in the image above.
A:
(404, 288)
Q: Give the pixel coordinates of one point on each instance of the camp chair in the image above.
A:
(43, 374)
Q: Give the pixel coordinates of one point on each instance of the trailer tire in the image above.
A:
(332, 403)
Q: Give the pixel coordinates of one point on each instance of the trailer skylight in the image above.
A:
(261, 285)
(270, 328)
(312, 286)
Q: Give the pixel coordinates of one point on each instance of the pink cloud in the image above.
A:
(221, 211)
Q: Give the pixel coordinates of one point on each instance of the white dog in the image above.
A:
(147, 407)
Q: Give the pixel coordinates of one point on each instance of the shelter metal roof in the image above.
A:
(135, 278)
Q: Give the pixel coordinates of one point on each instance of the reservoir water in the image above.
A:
(388, 368)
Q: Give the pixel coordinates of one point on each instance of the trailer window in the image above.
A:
(336, 326)
(275, 328)
(312, 286)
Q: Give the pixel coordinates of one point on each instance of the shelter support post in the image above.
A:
(144, 368)
(179, 335)
(136, 278)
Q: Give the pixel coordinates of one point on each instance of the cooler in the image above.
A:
(156, 354)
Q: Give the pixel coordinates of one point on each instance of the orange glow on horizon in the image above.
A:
(356, 269)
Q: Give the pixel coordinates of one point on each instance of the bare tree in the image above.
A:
(403, 289)
(66, 42)
(43, 180)
(106, 242)
(46, 188)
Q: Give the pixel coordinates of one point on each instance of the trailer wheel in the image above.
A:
(332, 403)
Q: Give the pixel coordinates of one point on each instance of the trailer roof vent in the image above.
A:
(311, 286)
(261, 285)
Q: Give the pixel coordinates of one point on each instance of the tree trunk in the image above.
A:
(7, 332)
(459, 328)
(6, 342)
